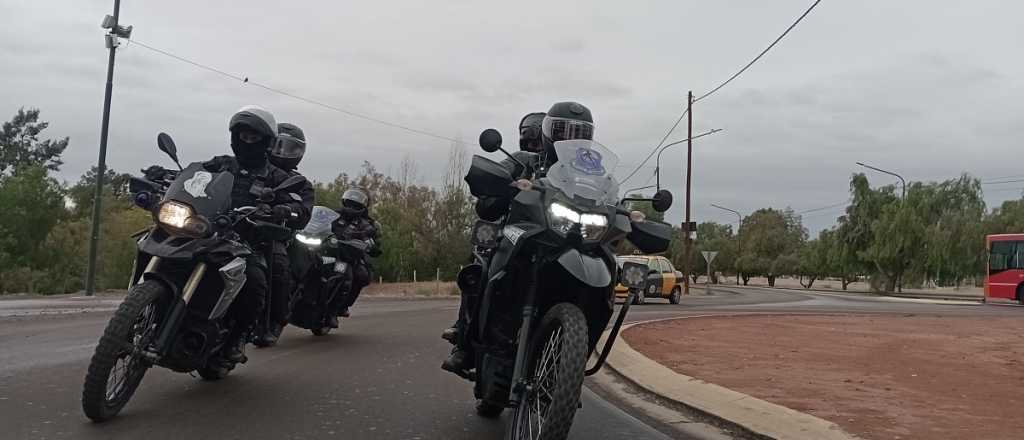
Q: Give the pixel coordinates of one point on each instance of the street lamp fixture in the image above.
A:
(657, 163)
(903, 182)
(739, 243)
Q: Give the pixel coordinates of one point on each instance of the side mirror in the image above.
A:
(490, 140)
(166, 144)
(289, 182)
(662, 200)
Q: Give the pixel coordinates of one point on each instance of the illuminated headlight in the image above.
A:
(308, 241)
(179, 219)
(563, 218)
(633, 275)
(174, 214)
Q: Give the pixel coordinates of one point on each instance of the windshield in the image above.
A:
(320, 221)
(1006, 255)
(584, 169)
(208, 193)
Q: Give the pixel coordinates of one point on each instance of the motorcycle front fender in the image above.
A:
(592, 271)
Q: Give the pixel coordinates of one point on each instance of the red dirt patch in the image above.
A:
(879, 377)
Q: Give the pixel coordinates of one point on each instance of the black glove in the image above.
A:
(154, 172)
(282, 212)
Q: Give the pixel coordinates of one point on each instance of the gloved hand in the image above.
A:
(282, 212)
(154, 172)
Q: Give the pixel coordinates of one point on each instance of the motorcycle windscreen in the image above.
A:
(320, 222)
(585, 169)
(208, 193)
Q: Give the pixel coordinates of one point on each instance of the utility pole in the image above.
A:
(739, 243)
(689, 165)
(115, 31)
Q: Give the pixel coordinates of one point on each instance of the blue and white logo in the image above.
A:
(588, 161)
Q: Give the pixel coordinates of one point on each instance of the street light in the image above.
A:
(902, 181)
(657, 163)
(739, 243)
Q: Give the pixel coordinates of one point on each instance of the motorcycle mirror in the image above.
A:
(291, 181)
(490, 140)
(166, 144)
(662, 200)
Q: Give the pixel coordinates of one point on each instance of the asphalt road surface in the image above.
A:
(378, 377)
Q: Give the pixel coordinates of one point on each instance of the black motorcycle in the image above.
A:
(542, 288)
(189, 270)
(330, 273)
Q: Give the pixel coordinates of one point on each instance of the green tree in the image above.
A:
(768, 234)
(20, 145)
(33, 204)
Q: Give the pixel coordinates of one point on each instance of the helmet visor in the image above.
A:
(355, 195)
(288, 147)
(562, 129)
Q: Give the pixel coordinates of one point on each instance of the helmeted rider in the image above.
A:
(286, 153)
(355, 223)
(538, 133)
(253, 130)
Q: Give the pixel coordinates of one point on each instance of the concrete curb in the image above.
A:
(761, 418)
(937, 298)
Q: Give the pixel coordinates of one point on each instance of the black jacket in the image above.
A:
(359, 228)
(249, 184)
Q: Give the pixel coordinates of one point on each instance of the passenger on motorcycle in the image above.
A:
(538, 133)
(253, 131)
(286, 153)
(355, 224)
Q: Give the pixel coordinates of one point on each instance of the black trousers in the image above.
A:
(250, 301)
(281, 290)
(360, 279)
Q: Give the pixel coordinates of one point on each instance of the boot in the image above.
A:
(332, 321)
(234, 349)
(344, 313)
(450, 334)
(272, 335)
(457, 363)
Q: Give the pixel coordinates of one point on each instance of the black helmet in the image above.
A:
(566, 121)
(289, 147)
(253, 130)
(529, 132)
(355, 202)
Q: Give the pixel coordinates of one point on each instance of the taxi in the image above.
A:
(663, 280)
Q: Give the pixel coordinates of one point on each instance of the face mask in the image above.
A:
(249, 155)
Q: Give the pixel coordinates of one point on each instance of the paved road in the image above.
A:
(377, 378)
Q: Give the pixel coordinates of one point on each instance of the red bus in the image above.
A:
(1005, 278)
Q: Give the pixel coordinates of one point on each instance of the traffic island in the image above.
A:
(836, 376)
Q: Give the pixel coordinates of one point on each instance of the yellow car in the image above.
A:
(663, 280)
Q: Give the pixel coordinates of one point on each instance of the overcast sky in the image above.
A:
(926, 88)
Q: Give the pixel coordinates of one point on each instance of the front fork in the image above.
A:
(179, 307)
(519, 383)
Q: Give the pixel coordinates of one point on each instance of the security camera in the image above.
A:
(108, 22)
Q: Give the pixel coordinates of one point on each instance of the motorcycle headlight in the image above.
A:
(308, 241)
(180, 219)
(174, 214)
(564, 218)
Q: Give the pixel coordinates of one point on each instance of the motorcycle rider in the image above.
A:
(538, 133)
(286, 153)
(355, 224)
(253, 130)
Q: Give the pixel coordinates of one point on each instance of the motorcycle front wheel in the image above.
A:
(557, 358)
(116, 368)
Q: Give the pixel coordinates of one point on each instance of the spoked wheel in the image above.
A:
(117, 366)
(556, 364)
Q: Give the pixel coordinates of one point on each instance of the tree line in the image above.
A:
(932, 235)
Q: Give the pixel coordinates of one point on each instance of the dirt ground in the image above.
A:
(879, 377)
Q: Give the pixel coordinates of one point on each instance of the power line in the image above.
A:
(806, 211)
(655, 150)
(763, 52)
(246, 80)
(999, 182)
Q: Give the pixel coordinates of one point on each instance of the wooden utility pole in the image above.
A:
(689, 165)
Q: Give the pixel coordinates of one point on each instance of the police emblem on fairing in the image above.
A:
(196, 186)
(588, 161)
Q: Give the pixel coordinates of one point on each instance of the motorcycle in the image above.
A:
(542, 286)
(189, 269)
(330, 274)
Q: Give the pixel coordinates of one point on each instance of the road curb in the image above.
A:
(745, 413)
(938, 298)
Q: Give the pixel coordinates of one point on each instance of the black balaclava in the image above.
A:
(250, 156)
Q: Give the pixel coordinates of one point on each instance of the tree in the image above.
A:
(767, 235)
(717, 237)
(20, 145)
(115, 192)
(33, 204)
(814, 259)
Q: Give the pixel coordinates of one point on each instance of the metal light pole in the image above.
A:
(903, 182)
(657, 167)
(739, 243)
(903, 197)
(689, 164)
(115, 31)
